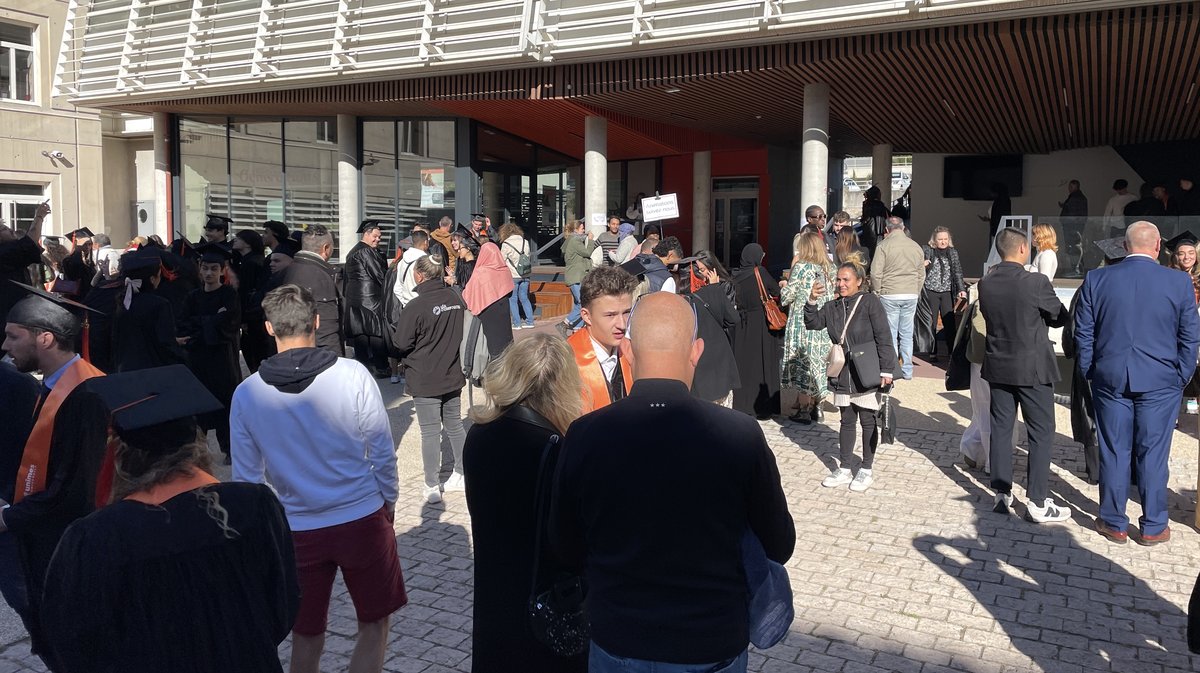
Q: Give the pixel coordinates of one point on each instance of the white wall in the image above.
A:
(1045, 184)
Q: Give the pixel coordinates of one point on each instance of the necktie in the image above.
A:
(37, 409)
(616, 387)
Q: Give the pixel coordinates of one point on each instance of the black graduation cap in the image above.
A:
(214, 253)
(154, 409)
(286, 247)
(1113, 248)
(373, 224)
(80, 233)
(47, 311)
(465, 233)
(182, 248)
(218, 222)
(276, 227)
(478, 217)
(1185, 238)
(638, 266)
(141, 263)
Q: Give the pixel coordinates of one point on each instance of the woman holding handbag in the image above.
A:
(757, 345)
(858, 327)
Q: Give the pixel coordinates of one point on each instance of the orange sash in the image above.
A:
(31, 478)
(157, 495)
(595, 386)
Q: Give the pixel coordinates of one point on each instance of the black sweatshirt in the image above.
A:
(429, 338)
(652, 498)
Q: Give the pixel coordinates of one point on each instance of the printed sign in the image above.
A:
(432, 187)
(655, 208)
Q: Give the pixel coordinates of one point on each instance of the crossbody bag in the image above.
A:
(837, 355)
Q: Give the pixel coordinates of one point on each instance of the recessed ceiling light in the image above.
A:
(672, 90)
(758, 116)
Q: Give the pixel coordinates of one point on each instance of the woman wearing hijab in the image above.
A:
(489, 284)
(757, 350)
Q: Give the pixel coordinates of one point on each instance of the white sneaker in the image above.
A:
(432, 494)
(862, 481)
(1004, 503)
(395, 378)
(1048, 512)
(839, 477)
(455, 483)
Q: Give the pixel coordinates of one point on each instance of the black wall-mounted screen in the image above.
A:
(971, 177)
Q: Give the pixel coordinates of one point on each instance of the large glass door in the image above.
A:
(735, 217)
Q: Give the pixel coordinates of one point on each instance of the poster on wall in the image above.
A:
(433, 193)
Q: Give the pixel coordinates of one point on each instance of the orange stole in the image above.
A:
(595, 386)
(31, 478)
(157, 495)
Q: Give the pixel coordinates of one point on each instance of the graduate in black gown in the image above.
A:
(212, 322)
(180, 573)
(143, 323)
(250, 265)
(180, 276)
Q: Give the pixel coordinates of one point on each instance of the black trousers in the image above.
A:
(1037, 407)
(371, 351)
(941, 304)
(870, 434)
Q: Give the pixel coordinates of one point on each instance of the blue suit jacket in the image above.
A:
(1136, 327)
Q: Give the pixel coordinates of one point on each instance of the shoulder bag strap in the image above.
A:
(542, 494)
(762, 290)
(842, 339)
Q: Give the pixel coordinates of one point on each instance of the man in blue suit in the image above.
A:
(1136, 331)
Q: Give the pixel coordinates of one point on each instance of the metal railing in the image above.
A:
(143, 49)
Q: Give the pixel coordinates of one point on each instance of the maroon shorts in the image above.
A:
(365, 550)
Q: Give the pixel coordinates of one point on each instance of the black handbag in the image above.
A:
(556, 612)
(885, 419)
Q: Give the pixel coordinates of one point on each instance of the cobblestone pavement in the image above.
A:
(915, 575)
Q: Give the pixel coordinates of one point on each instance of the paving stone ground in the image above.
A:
(916, 575)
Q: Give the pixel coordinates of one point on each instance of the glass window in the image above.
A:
(408, 174)
(204, 172)
(16, 62)
(311, 173)
(256, 177)
(18, 203)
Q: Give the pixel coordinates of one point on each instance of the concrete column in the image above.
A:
(814, 148)
(881, 172)
(348, 183)
(595, 173)
(702, 232)
(163, 225)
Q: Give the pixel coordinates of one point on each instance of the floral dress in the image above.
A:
(805, 351)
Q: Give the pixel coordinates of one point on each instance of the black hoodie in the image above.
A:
(292, 371)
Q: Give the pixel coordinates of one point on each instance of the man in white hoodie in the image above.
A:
(316, 423)
(406, 281)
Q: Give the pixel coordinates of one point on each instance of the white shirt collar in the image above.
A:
(1138, 254)
(608, 363)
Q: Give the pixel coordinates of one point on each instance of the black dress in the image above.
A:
(135, 587)
(212, 352)
(717, 370)
(143, 336)
(757, 350)
(500, 463)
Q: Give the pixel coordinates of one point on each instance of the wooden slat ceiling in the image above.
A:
(1039, 84)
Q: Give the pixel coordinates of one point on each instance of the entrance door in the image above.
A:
(735, 217)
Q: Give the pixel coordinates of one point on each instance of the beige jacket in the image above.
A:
(898, 266)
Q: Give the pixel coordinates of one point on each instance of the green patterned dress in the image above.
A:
(805, 351)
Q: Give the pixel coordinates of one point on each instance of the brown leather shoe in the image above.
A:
(1117, 536)
(1151, 540)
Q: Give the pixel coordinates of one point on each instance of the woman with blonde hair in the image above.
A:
(508, 461)
(944, 285)
(1045, 241)
(805, 351)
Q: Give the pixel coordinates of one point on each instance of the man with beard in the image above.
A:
(362, 287)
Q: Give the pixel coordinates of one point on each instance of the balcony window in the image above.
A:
(16, 62)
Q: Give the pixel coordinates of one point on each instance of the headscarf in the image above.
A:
(624, 230)
(752, 256)
(489, 282)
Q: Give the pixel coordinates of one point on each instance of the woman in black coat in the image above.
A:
(508, 462)
(757, 349)
(716, 316)
(362, 305)
(870, 359)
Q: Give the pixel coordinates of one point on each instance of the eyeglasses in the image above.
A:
(817, 217)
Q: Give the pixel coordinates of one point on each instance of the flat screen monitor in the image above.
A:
(971, 177)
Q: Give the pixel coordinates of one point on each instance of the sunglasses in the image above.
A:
(816, 217)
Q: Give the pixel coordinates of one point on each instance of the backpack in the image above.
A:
(523, 266)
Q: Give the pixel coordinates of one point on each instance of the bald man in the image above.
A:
(653, 550)
(1136, 335)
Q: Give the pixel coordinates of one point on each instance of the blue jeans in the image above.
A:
(520, 297)
(573, 316)
(900, 315)
(600, 661)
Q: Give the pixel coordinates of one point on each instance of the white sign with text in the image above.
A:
(655, 208)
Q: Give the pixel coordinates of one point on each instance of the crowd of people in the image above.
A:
(141, 354)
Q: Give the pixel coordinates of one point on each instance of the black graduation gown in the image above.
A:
(253, 274)
(176, 290)
(141, 588)
(1083, 413)
(18, 395)
(143, 335)
(102, 298)
(212, 353)
(717, 371)
(362, 292)
(81, 270)
(757, 350)
(77, 446)
(15, 260)
(501, 498)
